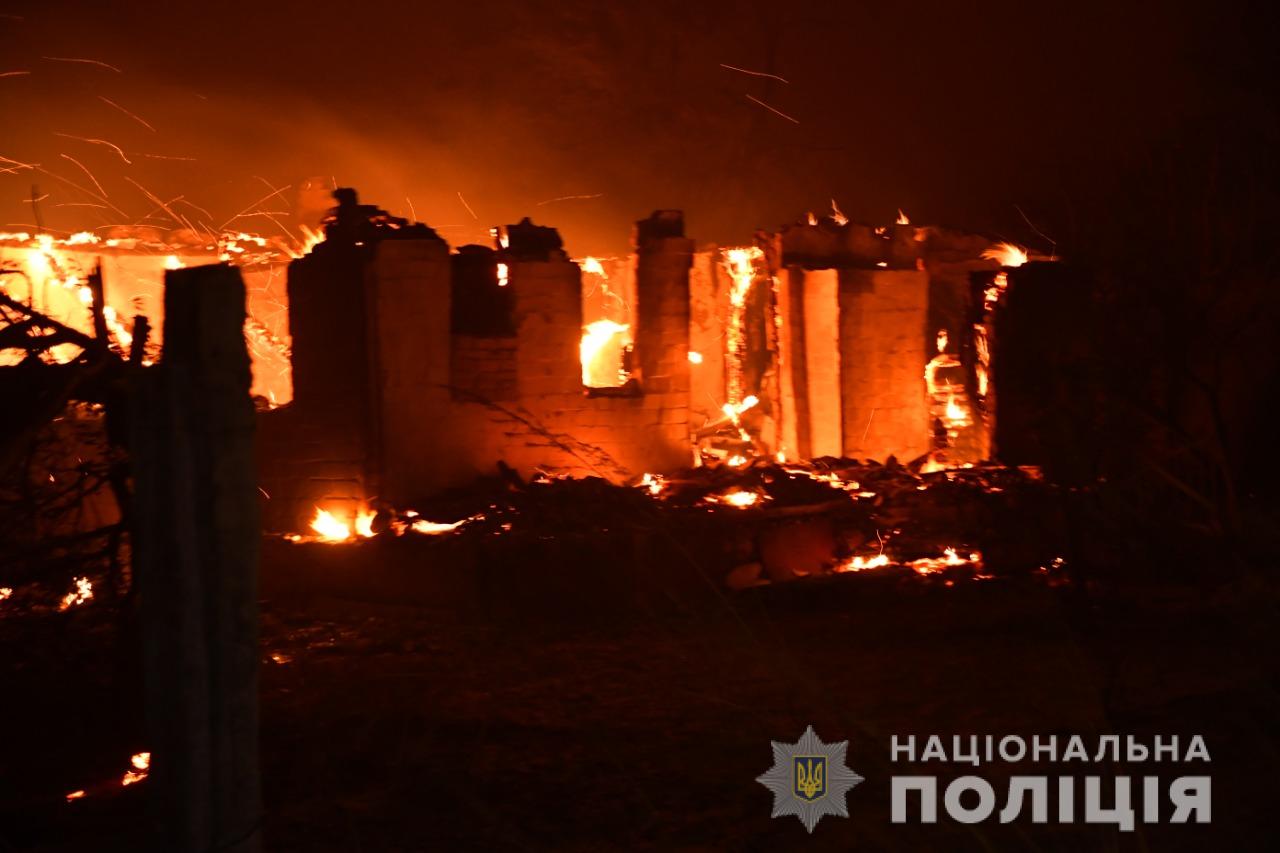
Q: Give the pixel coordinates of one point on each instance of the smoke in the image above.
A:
(585, 116)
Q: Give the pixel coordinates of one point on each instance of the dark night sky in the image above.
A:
(955, 112)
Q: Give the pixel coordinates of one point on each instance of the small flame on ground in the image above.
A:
(5, 592)
(858, 564)
(653, 483)
(922, 566)
(902, 218)
(75, 795)
(141, 764)
(740, 498)
(432, 528)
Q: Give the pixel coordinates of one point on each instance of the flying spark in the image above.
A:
(160, 205)
(755, 73)
(112, 103)
(569, 198)
(111, 145)
(87, 172)
(246, 212)
(773, 110)
(467, 206)
(83, 61)
(14, 73)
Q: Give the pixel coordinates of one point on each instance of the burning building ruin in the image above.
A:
(417, 368)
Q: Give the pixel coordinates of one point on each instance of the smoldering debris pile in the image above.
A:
(757, 522)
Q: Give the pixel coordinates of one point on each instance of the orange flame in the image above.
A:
(739, 498)
(364, 523)
(329, 528)
(1006, 254)
(601, 353)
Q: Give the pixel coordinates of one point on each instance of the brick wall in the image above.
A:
(314, 452)
(391, 402)
(708, 304)
(821, 316)
(882, 359)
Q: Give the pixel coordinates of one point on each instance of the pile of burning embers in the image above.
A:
(738, 525)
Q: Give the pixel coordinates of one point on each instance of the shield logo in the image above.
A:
(810, 776)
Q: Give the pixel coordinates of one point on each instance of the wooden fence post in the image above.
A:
(196, 557)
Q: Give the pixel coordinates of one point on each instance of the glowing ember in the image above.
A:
(432, 528)
(82, 593)
(695, 357)
(740, 498)
(736, 461)
(75, 795)
(601, 354)
(859, 564)
(502, 275)
(949, 558)
(653, 483)
(5, 592)
(924, 566)
(1006, 254)
(592, 265)
(329, 528)
(733, 410)
(173, 262)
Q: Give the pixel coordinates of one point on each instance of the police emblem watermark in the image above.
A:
(809, 779)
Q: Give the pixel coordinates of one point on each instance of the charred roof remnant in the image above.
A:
(353, 223)
(529, 242)
(661, 224)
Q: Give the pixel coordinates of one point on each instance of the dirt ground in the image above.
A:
(405, 726)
